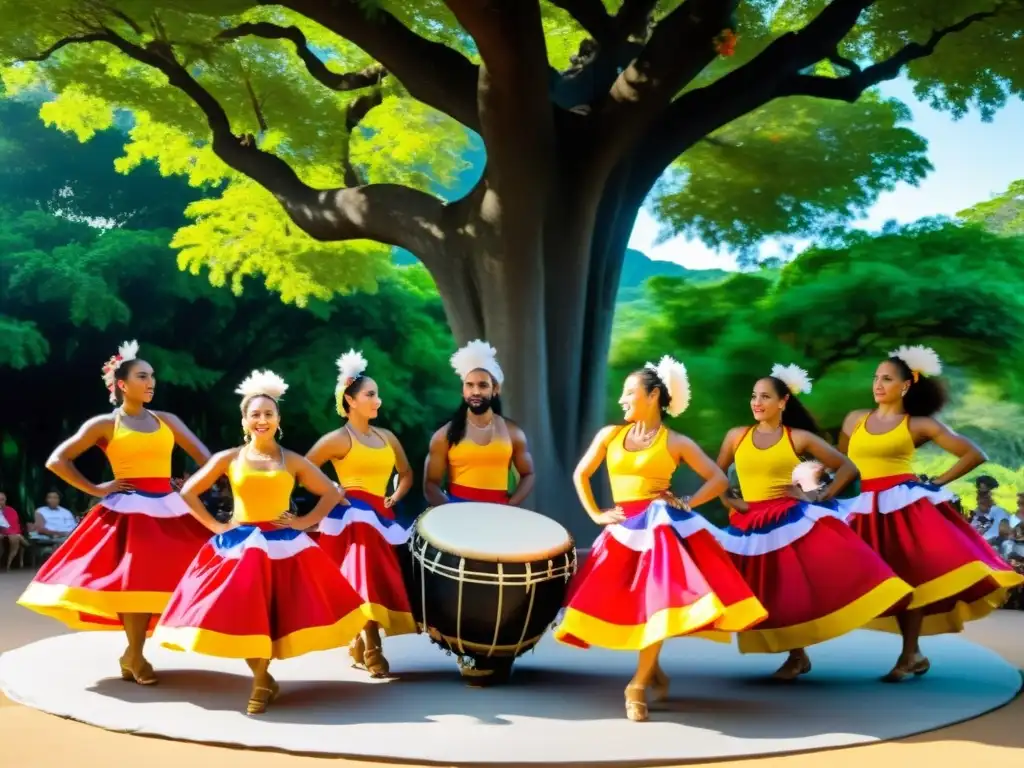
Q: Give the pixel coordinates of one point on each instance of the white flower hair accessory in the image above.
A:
(796, 379)
(351, 366)
(807, 474)
(477, 355)
(128, 351)
(673, 375)
(262, 383)
(922, 361)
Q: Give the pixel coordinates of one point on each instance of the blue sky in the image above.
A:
(973, 161)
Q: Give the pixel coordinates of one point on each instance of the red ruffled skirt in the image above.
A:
(815, 576)
(363, 539)
(658, 574)
(261, 592)
(956, 576)
(126, 556)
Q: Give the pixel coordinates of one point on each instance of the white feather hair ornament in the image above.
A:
(796, 379)
(477, 355)
(129, 350)
(262, 383)
(808, 475)
(922, 361)
(673, 375)
(351, 366)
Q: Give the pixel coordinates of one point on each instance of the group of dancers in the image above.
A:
(798, 563)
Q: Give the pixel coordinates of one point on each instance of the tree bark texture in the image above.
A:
(530, 259)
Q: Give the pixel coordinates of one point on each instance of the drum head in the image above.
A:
(493, 532)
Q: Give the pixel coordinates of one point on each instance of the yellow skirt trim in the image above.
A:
(66, 604)
(666, 623)
(855, 615)
(227, 646)
(392, 622)
(948, 585)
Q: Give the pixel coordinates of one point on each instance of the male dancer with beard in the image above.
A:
(478, 446)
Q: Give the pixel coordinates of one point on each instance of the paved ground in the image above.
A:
(30, 739)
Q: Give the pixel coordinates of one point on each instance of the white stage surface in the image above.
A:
(561, 706)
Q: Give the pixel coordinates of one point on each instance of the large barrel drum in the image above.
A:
(487, 581)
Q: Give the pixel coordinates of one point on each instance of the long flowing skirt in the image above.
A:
(956, 575)
(658, 574)
(261, 592)
(815, 576)
(362, 539)
(126, 556)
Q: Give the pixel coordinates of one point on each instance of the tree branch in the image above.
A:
(850, 87)
(356, 111)
(432, 72)
(388, 213)
(338, 81)
(591, 15)
(680, 47)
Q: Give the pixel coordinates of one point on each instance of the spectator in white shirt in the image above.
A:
(53, 521)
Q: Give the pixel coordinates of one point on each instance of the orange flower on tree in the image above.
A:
(725, 43)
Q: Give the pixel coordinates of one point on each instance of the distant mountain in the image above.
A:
(636, 269)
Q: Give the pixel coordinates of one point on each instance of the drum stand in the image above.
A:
(484, 672)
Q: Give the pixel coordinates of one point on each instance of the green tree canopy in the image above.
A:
(836, 312)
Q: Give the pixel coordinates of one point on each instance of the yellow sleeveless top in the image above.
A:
(765, 473)
(485, 467)
(364, 468)
(886, 455)
(639, 475)
(260, 495)
(140, 454)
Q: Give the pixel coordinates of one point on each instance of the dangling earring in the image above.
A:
(280, 433)
(245, 436)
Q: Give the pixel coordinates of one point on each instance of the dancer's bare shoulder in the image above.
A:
(853, 418)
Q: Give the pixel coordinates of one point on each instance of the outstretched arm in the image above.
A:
(845, 470)
(437, 465)
(62, 460)
(726, 456)
(405, 475)
(685, 450)
(208, 474)
(312, 478)
(523, 462)
(185, 438)
(585, 470)
(969, 455)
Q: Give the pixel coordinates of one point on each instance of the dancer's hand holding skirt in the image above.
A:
(955, 574)
(659, 574)
(259, 591)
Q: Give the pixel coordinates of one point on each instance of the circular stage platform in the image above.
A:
(562, 705)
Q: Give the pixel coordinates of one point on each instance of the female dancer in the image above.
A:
(120, 565)
(655, 571)
(955, 574)
(261, 589)
(817, 579)
(361, 533)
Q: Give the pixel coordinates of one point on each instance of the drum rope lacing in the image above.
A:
(503, 579)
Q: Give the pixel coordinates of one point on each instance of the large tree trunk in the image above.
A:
(547, 305)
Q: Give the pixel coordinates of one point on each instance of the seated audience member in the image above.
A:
(53, 522)
(12, 537)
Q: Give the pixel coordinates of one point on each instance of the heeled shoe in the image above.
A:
(790, 671)
(261, 697)
(636, 705)
(376, 664)
(141, 674)
(902, 670)
(357, 651)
